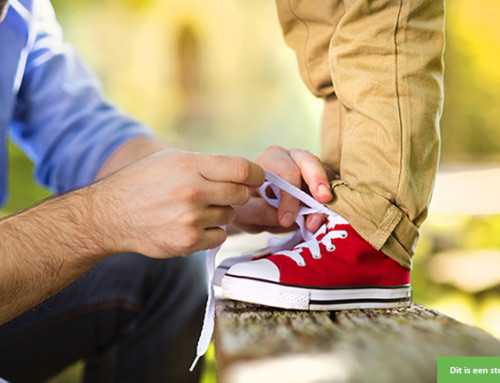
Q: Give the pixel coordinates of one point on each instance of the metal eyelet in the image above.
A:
(344, 234)
(331, 248)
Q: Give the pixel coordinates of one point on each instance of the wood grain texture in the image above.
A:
(260, 344)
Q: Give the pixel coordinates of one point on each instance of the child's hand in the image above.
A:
(303, 170)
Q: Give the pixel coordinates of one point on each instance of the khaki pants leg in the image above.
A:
(378, 64)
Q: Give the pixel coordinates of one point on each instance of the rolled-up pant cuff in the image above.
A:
(378, 221)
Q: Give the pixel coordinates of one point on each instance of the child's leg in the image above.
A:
(378, 64)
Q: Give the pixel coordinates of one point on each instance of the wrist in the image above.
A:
(82, 225)
(101, 220)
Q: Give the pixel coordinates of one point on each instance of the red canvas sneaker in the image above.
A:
(333, 269)
(336, 269)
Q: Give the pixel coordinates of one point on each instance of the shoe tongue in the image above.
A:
(329, 225)
(334, 221)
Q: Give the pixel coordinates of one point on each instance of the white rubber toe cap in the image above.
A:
(228, 262)
(260, 269)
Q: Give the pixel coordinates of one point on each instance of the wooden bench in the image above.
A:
(259, 345)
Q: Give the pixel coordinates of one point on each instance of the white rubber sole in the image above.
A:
(304, 298)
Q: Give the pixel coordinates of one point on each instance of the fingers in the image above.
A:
(231, 169)
(314, 222)
(313, 173)
(212, 238)
(226, 194)
(215, 216)
(279, 161)
(203, 230)
(288, 207)
(297, 167)
(256, 213)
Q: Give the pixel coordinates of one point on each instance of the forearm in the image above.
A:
(45, 248)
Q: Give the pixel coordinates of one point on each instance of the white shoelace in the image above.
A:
(313, 244)
(312, 206)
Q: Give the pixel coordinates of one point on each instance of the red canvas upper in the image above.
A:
(354, 262)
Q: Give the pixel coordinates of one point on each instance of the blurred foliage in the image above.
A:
(216, 76)
(73, 374)
(472, 93)
(23, 191)
(468, 234)
(213, 77)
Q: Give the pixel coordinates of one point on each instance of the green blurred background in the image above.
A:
(217, 77)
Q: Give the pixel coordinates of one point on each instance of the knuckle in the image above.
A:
(301, 156)
(299, 151)
(189, 219)
(245, 195)
(294, 174)
(244, 169)
(270, 151)
(224, 216)
(190, 238)
(190, 193)
(274, 148)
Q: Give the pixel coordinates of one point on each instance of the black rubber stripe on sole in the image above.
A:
(360, 300)
(317, 287)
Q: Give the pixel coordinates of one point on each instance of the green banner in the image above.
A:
(468, 369)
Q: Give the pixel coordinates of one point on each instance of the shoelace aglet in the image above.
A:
(208, 321)
(195, 362)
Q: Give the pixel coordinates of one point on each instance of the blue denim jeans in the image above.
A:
(131, 318)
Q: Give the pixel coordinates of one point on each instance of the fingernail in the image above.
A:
(287, 220)
(324, 190)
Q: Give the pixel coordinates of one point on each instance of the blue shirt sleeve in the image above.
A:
(61, 119)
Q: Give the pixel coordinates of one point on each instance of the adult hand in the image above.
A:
(172, 203)
(300, 168)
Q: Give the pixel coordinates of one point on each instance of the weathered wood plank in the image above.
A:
(258, 344)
